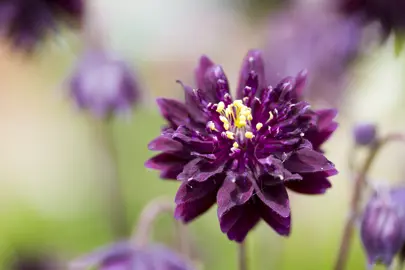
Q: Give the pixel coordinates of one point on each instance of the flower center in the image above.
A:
(236, 120)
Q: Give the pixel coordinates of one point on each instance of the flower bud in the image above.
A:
(364, 133)
(382, 229)
(103, 84)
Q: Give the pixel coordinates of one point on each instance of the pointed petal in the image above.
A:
(192, 103)
(236, 190)
(165, 143)
(238, 221)
(253, 62)
(216, 82)
(281, 225)
(311, 183)
(325, 117)
(193, 141)
(306, 160)
(194, 198)
(275, 197)
(173, 111)
(204, 64)
(200, 170)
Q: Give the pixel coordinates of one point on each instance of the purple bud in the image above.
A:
(365, 133)
(382, 229)
(103, 84)
(124, 256)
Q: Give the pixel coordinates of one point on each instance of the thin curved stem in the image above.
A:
(150, 213)
(242, 256)
(359, 183)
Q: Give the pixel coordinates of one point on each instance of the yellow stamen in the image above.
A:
(259, 126)
(235, 145)
(220, 107)
(230, 135)
(226, 126)
(238, 103)
(249, 135)
(211, 125)
(223, 119)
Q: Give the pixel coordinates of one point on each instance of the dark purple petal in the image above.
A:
(204, 64)
(170, 164)
(216, 82)
(253, 63)
(282, 225)
(195, 198)
(311, 183)
(236, 190)
(173, 111)
(306, 160)
(165, 143)
(275, 197)
(239, 220)
(192, 140)
(193, 104)
(200, 170)
(325, 118)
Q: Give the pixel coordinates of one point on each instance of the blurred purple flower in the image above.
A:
(123, 256)
(315, 39)
(104, 84)
(26, 22)
(365, 133)
(390, 13)
(382, 226)
(242, 154)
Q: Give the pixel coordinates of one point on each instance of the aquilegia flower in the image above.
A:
(242, 153)
(365, 133)
(389, 13)
(104, 84)
(28, 22)
(124, 256)
(382, 226)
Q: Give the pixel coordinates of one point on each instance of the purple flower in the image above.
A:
(382, 226)
(103, 84)
(33, 261)
(325, 46)
(122, 256)
(242, 154)
(390, 13)
(365, 133)
(28, 22)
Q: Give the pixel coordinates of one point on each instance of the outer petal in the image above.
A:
(307, 160)
(275, 197)
(236, 190)
(318, 137)
(311, 183)
(170, 164)
(204, 64)
(165, 143)
(217, 83)
(192, 140)
(194, 198)
(200, 170)
(193, 105)
(173, 111)
(253, 62)
(239, 220)
(280, 224)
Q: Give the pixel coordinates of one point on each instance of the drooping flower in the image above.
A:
(389, 13)
(104, 84)
(382, 226)
(325, 46)
(242, 153)
(28, 22)
(124, 256)
(365, 133)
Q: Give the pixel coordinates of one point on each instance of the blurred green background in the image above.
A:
(56, 167)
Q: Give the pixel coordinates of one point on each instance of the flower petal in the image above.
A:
(239, 220)
(216, 82)
(275, 197)
(200, 170)
(280, 224)
(165, 143)
(317, 137)
(173, 111)
(204, 64)
(306, 160)
(194, 198)
(193, 105)
(311, 183)
(253, 62)
(236, 190)
(193, 141)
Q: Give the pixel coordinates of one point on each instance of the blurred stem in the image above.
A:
(354, 211)
(150, 213)
(242, 256)
(116, 197)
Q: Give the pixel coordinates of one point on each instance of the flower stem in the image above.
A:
(116, 198)
(242, 256)
(359, 183)
(149, 215)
